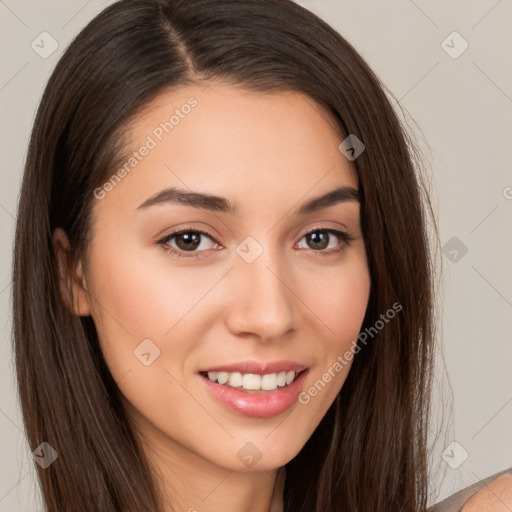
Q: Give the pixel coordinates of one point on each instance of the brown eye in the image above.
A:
(318, 240)
(326, 241)
(187, 241)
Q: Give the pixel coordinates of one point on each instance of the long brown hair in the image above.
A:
(369, 453)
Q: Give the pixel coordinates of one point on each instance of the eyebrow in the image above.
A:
(178, 196)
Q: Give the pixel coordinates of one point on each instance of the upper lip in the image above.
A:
(257, 367)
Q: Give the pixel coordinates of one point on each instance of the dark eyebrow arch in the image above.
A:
(195, 199)
(339, 195)
(220, 204)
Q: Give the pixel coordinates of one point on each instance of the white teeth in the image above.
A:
(235, 379)
(251, 381)
(289, 377)
(269, 382)
(222, 377)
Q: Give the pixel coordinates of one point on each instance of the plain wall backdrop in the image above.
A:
(449, 66)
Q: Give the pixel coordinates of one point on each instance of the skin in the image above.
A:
(269, 153)
(494, 497)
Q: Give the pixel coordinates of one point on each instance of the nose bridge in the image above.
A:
(263, 304)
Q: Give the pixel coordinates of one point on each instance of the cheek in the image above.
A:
(338, 302)
(338, 298)
(141, 297)
(348, 311)
(143, 307)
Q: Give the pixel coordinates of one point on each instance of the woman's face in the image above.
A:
(254, 277)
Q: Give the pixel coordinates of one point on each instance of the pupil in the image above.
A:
(319, 240)
(190, 241)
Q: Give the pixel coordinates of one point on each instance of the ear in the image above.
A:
(73, 286)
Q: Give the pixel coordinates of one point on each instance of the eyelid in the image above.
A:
(327, 227)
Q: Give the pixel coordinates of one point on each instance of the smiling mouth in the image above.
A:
(251, 382)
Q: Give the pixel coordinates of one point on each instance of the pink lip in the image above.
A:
(258, 368)
(256, 405)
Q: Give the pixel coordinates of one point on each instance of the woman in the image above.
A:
(223, 291)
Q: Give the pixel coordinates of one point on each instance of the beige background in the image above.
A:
(463, 106)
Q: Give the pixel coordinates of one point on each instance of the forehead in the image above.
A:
(230, 141)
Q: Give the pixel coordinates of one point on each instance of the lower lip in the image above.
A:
(257, 405)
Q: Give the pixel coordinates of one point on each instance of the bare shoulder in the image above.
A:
(491, 494)
(496, 496)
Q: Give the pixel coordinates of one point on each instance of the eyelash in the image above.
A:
(164, 242)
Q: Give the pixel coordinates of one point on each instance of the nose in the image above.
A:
(263, 304)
